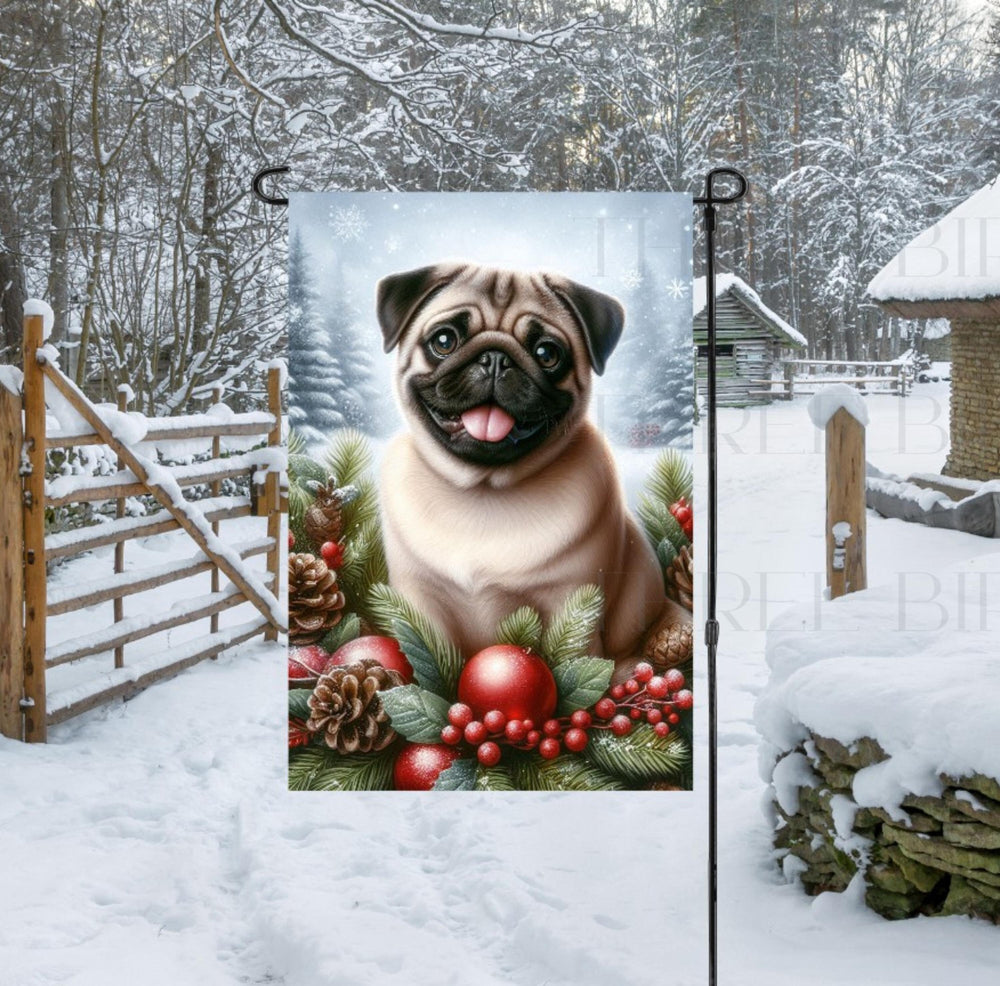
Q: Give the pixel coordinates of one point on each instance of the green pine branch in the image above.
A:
(571, 631)
(315, 768)
(641, 756)
(348, 456)
(568, 772)
(522, 628)
(671, 477)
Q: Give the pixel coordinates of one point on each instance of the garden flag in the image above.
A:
(490, 566)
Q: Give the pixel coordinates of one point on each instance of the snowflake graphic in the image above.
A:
(677, 289)
(632, 278)
(392, 244)
(348, 223)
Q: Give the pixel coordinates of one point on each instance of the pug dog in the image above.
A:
(502, 493)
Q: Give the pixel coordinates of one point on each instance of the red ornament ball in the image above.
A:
(418, 765)
(385, 650)
(307, 662)
(510, 679)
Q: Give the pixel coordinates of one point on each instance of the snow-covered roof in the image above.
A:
(958, 258)
(730, 283)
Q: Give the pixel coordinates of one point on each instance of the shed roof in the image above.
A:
(745, 295)
(952, 268)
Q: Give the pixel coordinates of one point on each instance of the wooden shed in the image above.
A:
(952, 271)
(750, 339)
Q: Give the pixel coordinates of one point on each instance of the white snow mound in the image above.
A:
(827, 402)
(35, 306)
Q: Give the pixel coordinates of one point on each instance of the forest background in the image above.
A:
(129, 133)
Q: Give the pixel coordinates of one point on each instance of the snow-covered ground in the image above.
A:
(155, 843)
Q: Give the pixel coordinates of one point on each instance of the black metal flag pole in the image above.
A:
(709, 201)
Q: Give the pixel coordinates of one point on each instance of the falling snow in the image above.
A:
(348, 222)
(677, 288)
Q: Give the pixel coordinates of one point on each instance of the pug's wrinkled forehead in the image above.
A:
(490, 298)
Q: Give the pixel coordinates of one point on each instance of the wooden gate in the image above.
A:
(26, 600)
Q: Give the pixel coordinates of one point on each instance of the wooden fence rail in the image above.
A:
(805, 376)
(27, 707)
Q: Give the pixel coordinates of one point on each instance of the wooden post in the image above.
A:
(846, 568)
(119, 603)
(216, 490)
(272, 491)
(789, 381)
(11, 567)
(34, 535)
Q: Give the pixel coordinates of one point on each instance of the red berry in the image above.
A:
(549, 748)
(617, 692)
(332, 553)
(475, 732)
(605, 708)
(656, 687)
(291, 540)
(674, 680)
(489, 754)
(515, 731)
(581, 719)
(653, 716)
(552, 727)
(528, 724)
(635, 713)
(460, 715)
(643, 672)
(673, 718)
(661, 729)
(684, 700)
(621, 725)
(533, 737)
(451, 735)
(494, 721)
(632, 686)
(575, 740)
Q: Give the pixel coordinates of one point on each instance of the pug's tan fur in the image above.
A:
(469, 543)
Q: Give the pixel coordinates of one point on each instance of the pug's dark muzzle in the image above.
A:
(487, 391)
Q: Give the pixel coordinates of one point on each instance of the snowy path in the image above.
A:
(155, 843)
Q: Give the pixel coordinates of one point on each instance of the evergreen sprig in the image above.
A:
(659, 523)
(436, 661)
(571, 630)
(364, 564)
(640, 755)
(348, 456)
(522, 628)
(315, 768)
(671, 477)
(567, 772)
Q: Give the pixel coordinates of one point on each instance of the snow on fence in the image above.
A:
(805, 376)
(26, 600)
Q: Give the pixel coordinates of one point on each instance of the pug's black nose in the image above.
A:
(495, 362)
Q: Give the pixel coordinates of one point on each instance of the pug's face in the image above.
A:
(494, 366)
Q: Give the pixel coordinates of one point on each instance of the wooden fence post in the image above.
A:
(846, 564)
(119, 603)
(34, 535)
(11, 566)
(272, 490)
(216, 489)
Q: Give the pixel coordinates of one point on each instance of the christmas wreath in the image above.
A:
(380, 699)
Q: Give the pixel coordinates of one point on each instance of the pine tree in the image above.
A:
(314, 373)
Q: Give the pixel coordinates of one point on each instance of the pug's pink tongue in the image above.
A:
(488, 423)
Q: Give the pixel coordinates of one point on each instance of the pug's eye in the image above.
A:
(548, 354)
(443, 341)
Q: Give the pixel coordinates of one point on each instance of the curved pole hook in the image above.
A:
(712, 198)
(256, 185)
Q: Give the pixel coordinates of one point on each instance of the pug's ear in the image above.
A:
(398, 297)
(601, 318)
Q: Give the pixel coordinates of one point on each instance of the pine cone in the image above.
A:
(315, 603)
(346, 710)
(323, 520)
(670, 644)
(679, 578)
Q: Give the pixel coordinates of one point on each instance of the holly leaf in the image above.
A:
(568, 772)
(571, 630)
(314, 768)
(436, 661)
(666, 552)
(298, 702)
(522, 628)
(348, 629)
(641, 755)
(460, 776)
(498, 778)
(417, 714)
(581, 681)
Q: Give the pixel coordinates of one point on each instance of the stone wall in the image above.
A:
(975, 400)
(941, 857)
